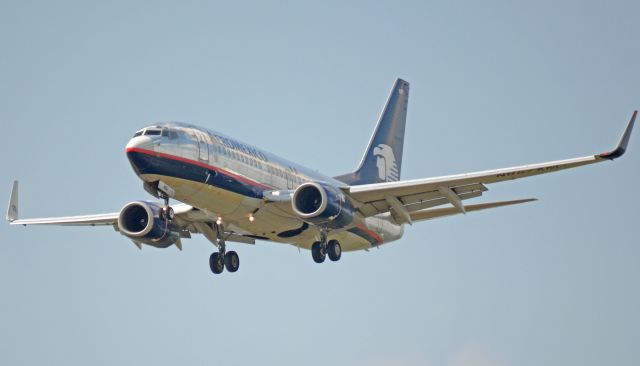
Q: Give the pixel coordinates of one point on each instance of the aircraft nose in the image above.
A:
(138, 150)
(139, 143)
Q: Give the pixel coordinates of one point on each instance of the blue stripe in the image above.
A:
(148, 164)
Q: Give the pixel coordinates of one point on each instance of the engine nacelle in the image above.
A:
(144, 222)
(322, 204)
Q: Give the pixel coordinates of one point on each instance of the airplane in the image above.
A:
(234, 192)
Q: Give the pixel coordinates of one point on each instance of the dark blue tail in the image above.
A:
(382, 159)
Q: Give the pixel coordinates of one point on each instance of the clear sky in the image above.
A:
(494, 84)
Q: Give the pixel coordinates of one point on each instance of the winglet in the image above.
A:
(12, 210)
(624, 141)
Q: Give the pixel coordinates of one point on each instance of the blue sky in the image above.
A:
(494, 84)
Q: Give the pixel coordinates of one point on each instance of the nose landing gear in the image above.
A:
(167, 211)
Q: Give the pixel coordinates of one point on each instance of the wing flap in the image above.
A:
(431, 214)
(414, 202)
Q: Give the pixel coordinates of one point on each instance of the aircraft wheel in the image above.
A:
(216, 263)
(231, 261)
(317, 252)
(334, 250)
(167, 212)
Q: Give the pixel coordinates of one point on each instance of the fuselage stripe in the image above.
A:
(200, 164)
(367, 234)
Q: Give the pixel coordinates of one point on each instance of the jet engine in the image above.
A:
(144, 222)
(322, 204)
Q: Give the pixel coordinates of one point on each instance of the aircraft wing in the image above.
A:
(84, 220)
(404, 197)
(188, 217)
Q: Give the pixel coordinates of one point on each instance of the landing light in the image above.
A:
(251, 218)
(219, 220)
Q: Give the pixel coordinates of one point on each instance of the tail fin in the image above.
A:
(382, 159)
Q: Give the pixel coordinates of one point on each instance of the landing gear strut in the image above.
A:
(320, 249)
(221, 259)
(167, 211)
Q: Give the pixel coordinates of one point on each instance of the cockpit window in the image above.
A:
(152, 132)
(138, 133)
(165, 132)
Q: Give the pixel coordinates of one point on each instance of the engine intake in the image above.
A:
(144, 222)
(320, 203)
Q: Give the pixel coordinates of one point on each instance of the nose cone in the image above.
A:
(138, 150)
(139, 143)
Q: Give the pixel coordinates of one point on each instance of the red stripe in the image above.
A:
(370, 232)
(200, 164)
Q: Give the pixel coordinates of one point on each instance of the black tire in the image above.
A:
(216, 263)
(334, 250)
(231, 261)
(317, 253)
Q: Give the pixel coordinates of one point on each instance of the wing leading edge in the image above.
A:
(418, 194)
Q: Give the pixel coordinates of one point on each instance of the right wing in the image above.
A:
(189, 218)
(84, 220)
(404, 197)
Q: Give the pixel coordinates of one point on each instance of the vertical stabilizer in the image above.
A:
(12, 210)
(382, 159)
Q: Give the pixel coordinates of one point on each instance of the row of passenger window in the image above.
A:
(251, 161)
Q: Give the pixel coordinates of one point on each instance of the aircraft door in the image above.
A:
(203, 146)
(291, 183)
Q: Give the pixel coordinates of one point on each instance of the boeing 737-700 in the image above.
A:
(234, 192)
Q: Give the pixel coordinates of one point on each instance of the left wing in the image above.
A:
(404, 197)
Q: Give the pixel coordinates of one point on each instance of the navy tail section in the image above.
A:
(382, 159)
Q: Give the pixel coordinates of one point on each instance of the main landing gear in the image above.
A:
(222, 259)
(320, 249)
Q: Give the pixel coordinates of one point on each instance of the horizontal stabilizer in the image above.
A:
(441, 212)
